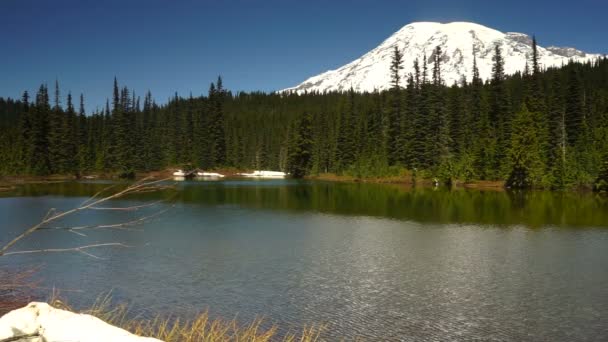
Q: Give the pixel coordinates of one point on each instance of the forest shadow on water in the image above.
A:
(424, 204)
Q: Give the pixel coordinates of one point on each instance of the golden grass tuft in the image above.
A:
(200, 328)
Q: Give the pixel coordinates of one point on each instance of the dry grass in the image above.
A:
(200, 328)
(16, 289)
(332, 177)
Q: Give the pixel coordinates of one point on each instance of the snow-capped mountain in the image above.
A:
(457, 40)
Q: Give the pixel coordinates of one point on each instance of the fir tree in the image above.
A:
(396, 67)
(395, 116)
(525, 159)
(25, 136)
(39, 163)
(575, 105)
(601, 182)
(346, 143)
(218, 134)
(500, 112)
(300, 150)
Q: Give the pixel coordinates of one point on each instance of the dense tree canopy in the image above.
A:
(544, 128)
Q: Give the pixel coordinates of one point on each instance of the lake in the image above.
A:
(378, 262)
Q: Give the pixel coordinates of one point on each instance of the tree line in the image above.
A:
(543, 127)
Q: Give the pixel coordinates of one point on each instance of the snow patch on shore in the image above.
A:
(264, 174)
(41, 322)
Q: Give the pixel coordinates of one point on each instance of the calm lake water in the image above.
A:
(372, 261)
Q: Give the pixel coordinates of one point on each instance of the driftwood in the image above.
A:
(92, 203)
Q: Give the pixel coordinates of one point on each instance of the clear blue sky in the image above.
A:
(167, 46)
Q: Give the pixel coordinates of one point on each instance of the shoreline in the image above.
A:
(409, 181)
(8, 183)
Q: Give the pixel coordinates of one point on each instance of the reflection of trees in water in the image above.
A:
(532, 208)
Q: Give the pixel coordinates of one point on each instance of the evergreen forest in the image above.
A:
(540, 128)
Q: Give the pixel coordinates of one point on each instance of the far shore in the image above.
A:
(8, 183)
(409, 181)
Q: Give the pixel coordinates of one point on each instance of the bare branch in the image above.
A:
(91, 255)
(131, 208)
(75, 232)
(110, 226)
(97, 194)
(143, 185)
(80, 249)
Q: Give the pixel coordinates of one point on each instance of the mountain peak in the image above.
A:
(458, 40)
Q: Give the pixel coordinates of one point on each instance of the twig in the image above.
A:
(80, 249)
(77, 233)
(48, 214)
(133, 188)
(97, 194)
(109, 226)
(131, 208)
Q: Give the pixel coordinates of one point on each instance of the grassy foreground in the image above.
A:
(200, 328)
(17, 289)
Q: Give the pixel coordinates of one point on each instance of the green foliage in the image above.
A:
(601, 182)
(524, 153)
(464, 132)
(300, 148)
(373, 166)
(462, 169)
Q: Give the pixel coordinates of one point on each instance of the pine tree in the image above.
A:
(122, 132)
(416, 74)
(346, 142)
(441, 140)
(436, 56)
(219, 134)
(535, 100)
(575, 105)
(300, 148)
(39, 163)
(395, 116)
(25, 135)
(424, 69)
(396, 67)
(70, 143)
(458, 119)
(601, 182)
(525, 155)
(557, 141)
(483, 146)
(534, 97)
(416, 106)
(57, 136)
(83, 158)
(500, 112)
(408, 125)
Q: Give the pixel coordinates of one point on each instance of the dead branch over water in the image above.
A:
(93, 203)
(200, 327)
(16, 286)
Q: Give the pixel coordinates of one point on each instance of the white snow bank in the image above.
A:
(50, 324)
(265, 174)
(209, 174)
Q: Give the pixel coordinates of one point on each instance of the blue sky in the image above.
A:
(167, 46)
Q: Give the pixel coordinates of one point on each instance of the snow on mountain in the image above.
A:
(458, 40)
